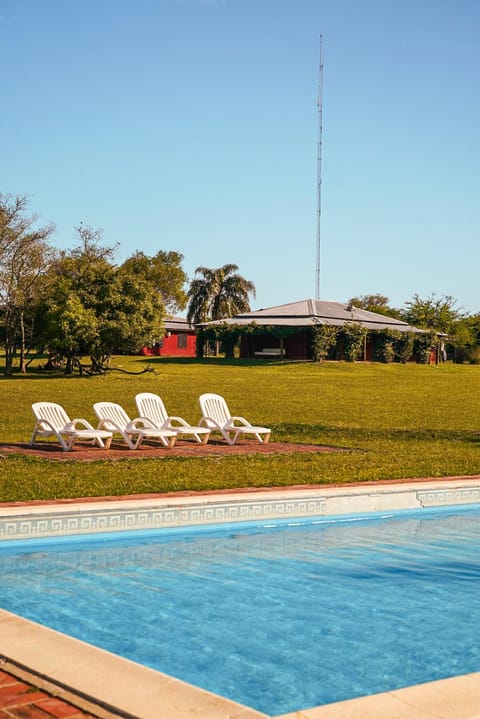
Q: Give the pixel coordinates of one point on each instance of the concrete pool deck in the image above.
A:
(119, 687)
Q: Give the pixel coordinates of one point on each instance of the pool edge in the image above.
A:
(51, 519)
(117, 684)
(122, 688)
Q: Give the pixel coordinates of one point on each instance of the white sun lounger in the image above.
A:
(53, 421)
(112, 417)
(151, 406)
(216, 416)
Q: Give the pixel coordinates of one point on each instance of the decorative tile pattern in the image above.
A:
(442, 497)
(88, 522)
(60, 522)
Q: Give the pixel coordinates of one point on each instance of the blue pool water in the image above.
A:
(278, 618)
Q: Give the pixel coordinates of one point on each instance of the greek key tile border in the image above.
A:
(443, 497)
(90, 522)
(55, 523)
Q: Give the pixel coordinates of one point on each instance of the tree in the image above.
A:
(97, 308)
(465, 340)
(82, 282)
(432, 313)
(218, 293)
(375, 303)
(70, 330)
(25, 257)
(164, 273)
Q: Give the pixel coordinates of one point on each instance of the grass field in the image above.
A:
(396, 421)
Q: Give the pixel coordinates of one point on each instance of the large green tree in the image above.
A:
(25, 257)
(216, 294)
(96, 308)
(164, 273)
(439, 314)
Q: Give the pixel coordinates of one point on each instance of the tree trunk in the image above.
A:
(9, 341)
(23, 362)
(8, 358)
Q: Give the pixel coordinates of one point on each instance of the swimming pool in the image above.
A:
(349, 608)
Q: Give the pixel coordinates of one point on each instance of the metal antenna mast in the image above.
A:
(319, 170)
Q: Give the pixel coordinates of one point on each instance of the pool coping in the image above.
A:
(130, 690)
(42, 520)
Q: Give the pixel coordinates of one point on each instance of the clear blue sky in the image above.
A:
(191, 125)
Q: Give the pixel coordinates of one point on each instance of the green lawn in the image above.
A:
(396, 421)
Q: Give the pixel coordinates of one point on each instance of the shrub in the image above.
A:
(354, 338)
(393, 344)
(323, 339)
(423, 347)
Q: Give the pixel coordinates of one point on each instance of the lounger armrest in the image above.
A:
(209, 422)
(179, 420)
(78, 422)
(140, 423)
(239, 420)
(109, 425)
(43, 424)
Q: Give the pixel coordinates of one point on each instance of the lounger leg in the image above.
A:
(230, 440)
(34, 434)
(137, 443)
(67, 446)
(131, 442)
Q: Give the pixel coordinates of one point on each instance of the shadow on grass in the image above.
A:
(154, 363)
(36, 373)
(339, 435)
(222, 361)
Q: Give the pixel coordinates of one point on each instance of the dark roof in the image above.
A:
(309, 313)
(178, 323)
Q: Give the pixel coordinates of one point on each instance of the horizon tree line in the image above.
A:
(70, 304)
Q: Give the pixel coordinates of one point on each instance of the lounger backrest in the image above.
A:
(151, 406)
(114, 412)
(53, 413)
(214, 406)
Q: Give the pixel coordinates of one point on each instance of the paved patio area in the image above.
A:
(183, 448)
(22, 700)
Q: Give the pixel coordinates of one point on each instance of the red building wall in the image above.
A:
(174, 344)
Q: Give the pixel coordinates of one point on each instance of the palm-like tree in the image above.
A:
(218, 293)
